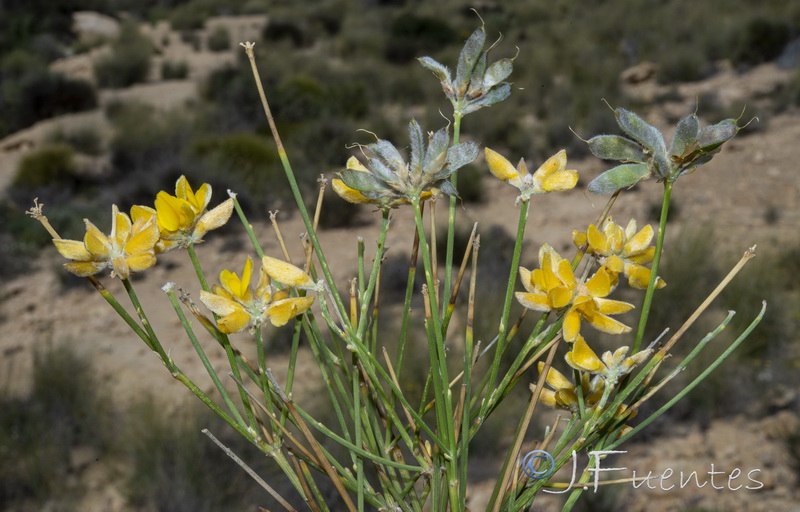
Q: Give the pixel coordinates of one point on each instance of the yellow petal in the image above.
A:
(642, 257)
(579, 238)
(282, 311)
(72, 249)
(597, 240)
(565, 274)
(548, 398)
(214, 219)
(141, 261)
(220, 305)
(499, 166)
(614, 264)
(563, 180)
(525, 277)
(572, 325)
(355, 164)
(612, 307)
(534, 301)
(96, 242)
(168, 211)
(555, 379)
(286, 273)
(234, 322)
(141, 212)
(583, 358)
(144, 240)
(182, 188)
(247, 274)
(553, 164)
(599, 285)
(641, 240)
(639, 277)
(85, 268)
(559, 297)
(121, 227)
(608, 324)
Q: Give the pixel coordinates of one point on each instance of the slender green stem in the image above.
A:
(155, 343)
(247, 226)
(651, 287)
(507, 301)
(451, 223)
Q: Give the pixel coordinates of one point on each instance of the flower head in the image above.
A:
(128, 248)
(477, 84)
(611, 366)
(645, 154)
(553, 287)
(564, 393)
(239, 306)
(550, 177)
(621, 250)
(182, 219)
(589, 303)
(389, 181)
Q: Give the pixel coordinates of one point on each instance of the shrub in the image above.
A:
(65, 410)
(760, 40)
(172, 70)
(218, 40)
(84, 139)
(129, 60)
(52, 165)
(411, 35)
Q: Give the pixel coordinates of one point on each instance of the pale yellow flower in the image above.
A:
(611, 366)
(621, 250)
(590, 304)
(239, 306)
(183, 219)
(553, 287)
(550, 177)
(128, 248)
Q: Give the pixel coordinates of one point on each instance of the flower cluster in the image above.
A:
(389, 181)
(176, 221)
(239, 306)
(554, 287)
(621, 251)
(130, 247)
(477, 84)
(645, 154)
(551, 176)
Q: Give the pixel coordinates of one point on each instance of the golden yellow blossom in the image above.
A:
(239, 306)
(550, 177)
(553, 286)
(563, 393)
(589, 304)
(128, 248)
(611, 366)
(621, 250)
(182, 219)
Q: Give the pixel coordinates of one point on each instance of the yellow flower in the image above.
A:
(553, 286)
(239, 306)
(550, 177)
(352, 195)
(589, 304)
(563, 394)
(129, 247)
(621, 250)
(549, 287)
(612, 366)
(182, 219)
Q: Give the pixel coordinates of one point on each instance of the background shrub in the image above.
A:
(219, 40)
(174, 70)
(129, 60)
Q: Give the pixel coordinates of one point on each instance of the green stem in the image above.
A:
(451, 223)
(197, 268)
(247, 226)
(155, 343)
(651, 287)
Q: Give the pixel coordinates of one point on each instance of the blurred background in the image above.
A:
(110, 101)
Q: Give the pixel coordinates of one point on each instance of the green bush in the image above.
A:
(84, 139)
(65, 410)
(411, 36)
(219, 40)
(129, 60)
(52, 165)
(172, 70)
(761, 40)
